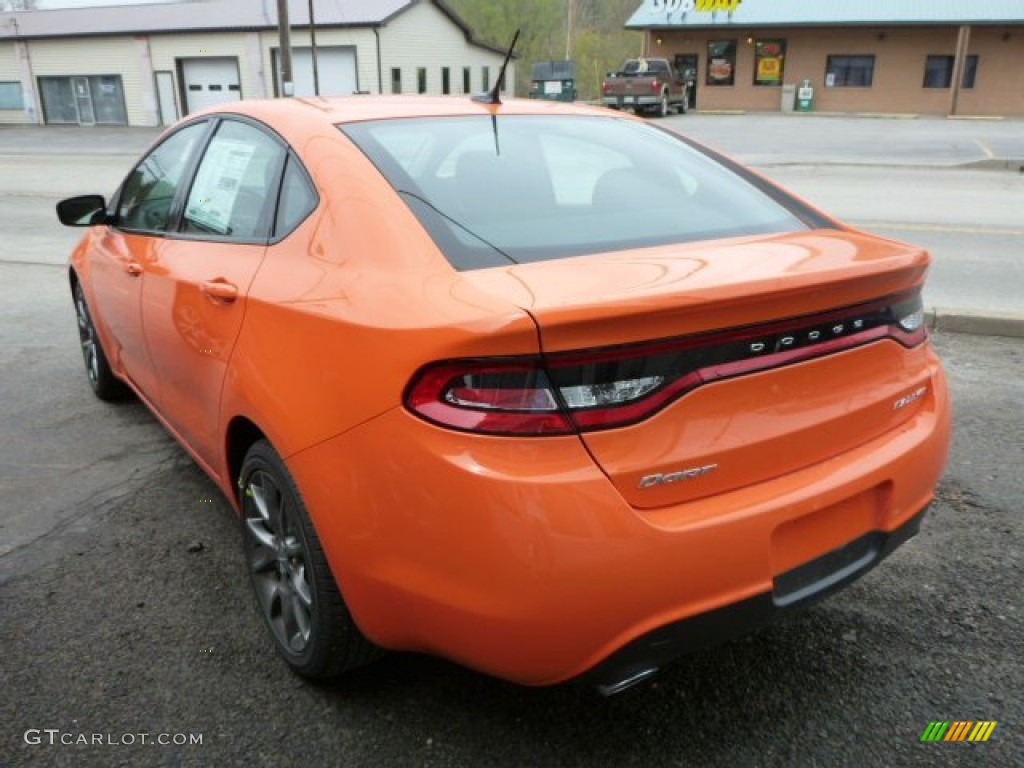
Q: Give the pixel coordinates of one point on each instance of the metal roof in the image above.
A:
(206, 15)
(790, 13)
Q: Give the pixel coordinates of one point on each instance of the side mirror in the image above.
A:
(82, 211)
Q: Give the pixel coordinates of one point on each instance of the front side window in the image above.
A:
(938, 72)
(531, 188)
(849, 71)
(148, 192)
(235, 186)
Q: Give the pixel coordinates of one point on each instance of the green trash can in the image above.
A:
(554, 81)
(805, 97)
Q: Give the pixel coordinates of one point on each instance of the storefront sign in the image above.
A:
(769, 57)
(701, 6)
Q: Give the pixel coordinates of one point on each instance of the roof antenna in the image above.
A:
(493, 96)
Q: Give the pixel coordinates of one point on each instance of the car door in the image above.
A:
(195, 292)
(122, 252)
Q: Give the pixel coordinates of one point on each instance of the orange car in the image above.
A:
(540, 388)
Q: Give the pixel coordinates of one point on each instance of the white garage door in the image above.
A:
(210, 81)
(336, 70)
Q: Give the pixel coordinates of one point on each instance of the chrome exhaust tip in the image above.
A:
(610, 689)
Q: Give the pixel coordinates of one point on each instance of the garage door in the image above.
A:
(336, 70)
(210, 81)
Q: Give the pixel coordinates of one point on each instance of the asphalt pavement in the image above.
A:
(145, 625)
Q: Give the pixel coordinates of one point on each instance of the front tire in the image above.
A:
(105, 385)
(294, 589)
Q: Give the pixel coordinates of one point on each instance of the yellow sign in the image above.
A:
(707, 6)
(769, 69)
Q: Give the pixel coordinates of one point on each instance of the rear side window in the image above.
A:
(529, 188)
(148, 192)
(298, 199)
(234, 191)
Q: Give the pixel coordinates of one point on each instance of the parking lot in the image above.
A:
(125, 609)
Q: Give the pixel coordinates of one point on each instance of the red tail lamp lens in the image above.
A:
(598, 389)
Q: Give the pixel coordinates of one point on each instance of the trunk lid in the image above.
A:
(741, 426)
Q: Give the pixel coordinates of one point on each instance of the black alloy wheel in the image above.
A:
(295, 591)
(104, 383)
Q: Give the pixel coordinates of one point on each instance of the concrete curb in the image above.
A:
(1009, 324)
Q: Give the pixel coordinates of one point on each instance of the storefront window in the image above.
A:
(84, 99)
(721, 62)
(769, 62)
(938, 72)
(849, 71)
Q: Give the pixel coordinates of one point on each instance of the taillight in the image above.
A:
(655, 85)
(908, 315)
(605, 86)
(567, 392)
(490, 396)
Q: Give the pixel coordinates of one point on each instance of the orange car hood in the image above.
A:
(673, 290)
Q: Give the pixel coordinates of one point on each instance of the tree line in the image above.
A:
(592, 30)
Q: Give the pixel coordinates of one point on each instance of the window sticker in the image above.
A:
(217, 183)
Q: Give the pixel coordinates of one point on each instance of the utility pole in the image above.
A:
(285, 55)
(568, 32)
(312, 42)
(963, 45)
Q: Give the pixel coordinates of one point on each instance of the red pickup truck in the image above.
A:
(646, 85)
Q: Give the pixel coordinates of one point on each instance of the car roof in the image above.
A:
(348, 109)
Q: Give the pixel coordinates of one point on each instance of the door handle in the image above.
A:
(133, 269)
(219, 290)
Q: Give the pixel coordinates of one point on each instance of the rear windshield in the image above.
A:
(524, 188)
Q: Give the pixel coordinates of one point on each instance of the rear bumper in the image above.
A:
(792, 591)
(519, 558)
(628, 102)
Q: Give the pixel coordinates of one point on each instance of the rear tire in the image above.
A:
(662, 108)
(295, 592)
(105, 385)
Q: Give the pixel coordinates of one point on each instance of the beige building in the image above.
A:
(886, 56)
(151, 64)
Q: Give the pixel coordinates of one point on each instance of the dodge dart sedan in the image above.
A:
(539, 388)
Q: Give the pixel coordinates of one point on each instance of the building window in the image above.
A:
(10, 96)
(421, 80)
(467, 76)
(84, 99)
(938, 72)
(396, 79)
(485, 78)
(721, 62)
(769, 62)
(849, 71)
(446, 80)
